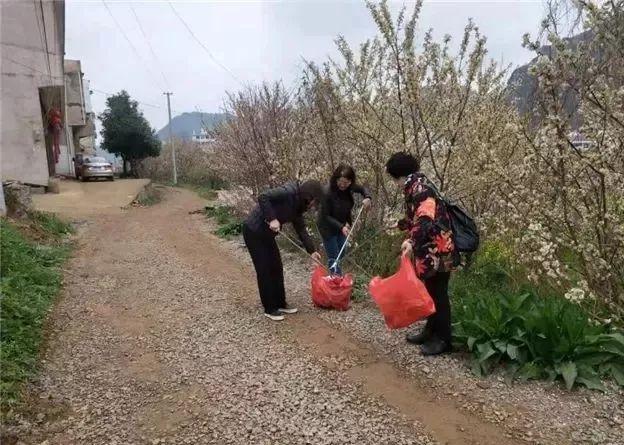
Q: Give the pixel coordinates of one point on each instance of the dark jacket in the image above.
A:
(287, 206)
(336, 209)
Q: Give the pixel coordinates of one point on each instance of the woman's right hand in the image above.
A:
(275, 225)
(407, 247)
(346, 229)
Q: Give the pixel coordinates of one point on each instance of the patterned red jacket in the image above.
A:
(428, 225)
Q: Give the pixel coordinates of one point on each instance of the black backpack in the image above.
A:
(465, 231)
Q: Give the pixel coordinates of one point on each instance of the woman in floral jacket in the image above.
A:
(430, 242)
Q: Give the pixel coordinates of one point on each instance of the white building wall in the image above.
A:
(28, 64)
(86, 83)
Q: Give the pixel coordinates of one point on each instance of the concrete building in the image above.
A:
(202, 137)
(80, 119)
(32, 88)
(87, 143)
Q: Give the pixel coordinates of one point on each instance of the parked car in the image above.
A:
(88, 167)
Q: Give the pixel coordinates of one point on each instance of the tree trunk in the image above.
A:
(125, 166)
(134, 168)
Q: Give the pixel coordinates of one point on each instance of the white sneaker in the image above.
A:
(288, 310)
(275, 316)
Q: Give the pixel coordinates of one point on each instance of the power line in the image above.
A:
(136, 52)
(205, 48)
(112, 94)
(45, 36)
(31, 68)
(44, 46)
(106, 93)
(149, 44)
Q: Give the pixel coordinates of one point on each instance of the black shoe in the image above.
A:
(435, 346)
(418, 338)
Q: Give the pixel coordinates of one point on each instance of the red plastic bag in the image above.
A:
(331, 292)
(402, 298)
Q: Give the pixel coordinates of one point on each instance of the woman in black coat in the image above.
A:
(335, 218)
(276, 207)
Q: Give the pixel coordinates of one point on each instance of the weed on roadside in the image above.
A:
(149, 196)
(503, 321)
(228, 225)
(30, 281)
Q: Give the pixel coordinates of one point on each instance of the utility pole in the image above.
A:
(173, 156)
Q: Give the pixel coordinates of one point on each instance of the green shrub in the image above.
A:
(375, 252)
(229, 230)
(228, 225)
(360, 289)
(502, 320)
(30, 280)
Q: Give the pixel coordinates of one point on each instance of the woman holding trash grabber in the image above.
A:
(430, 243)
(335, 219)
(278, 206)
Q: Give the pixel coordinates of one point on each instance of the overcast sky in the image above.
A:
(250, 40)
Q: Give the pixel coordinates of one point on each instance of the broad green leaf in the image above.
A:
(591, 383)
(471, 341)
(500, 345)
(485, 351)
(613, 348)
(594, 358)
(617, 372)
(552, 375)
(512, 351)
(569, 372)
(476, 368)
(529, 371)
(617, 336)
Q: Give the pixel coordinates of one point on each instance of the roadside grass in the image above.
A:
(32, 253)
(228, 226)
(532, 332)
(149, 196)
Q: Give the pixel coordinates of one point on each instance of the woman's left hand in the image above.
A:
(366, 203)
(316, 257)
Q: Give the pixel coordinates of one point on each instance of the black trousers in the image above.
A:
(439, 324)
(269, 270)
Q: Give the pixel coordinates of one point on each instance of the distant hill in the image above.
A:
(522, 85)
(184, 124)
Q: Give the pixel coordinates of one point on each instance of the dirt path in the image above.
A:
(77, 199)
(158, 339)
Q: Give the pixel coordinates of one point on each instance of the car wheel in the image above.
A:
(83, 179)
(111, 178)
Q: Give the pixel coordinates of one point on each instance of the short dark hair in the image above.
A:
(311, 190)
(342, 171)
(402, 164)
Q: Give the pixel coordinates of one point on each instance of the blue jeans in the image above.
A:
(333, 244)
